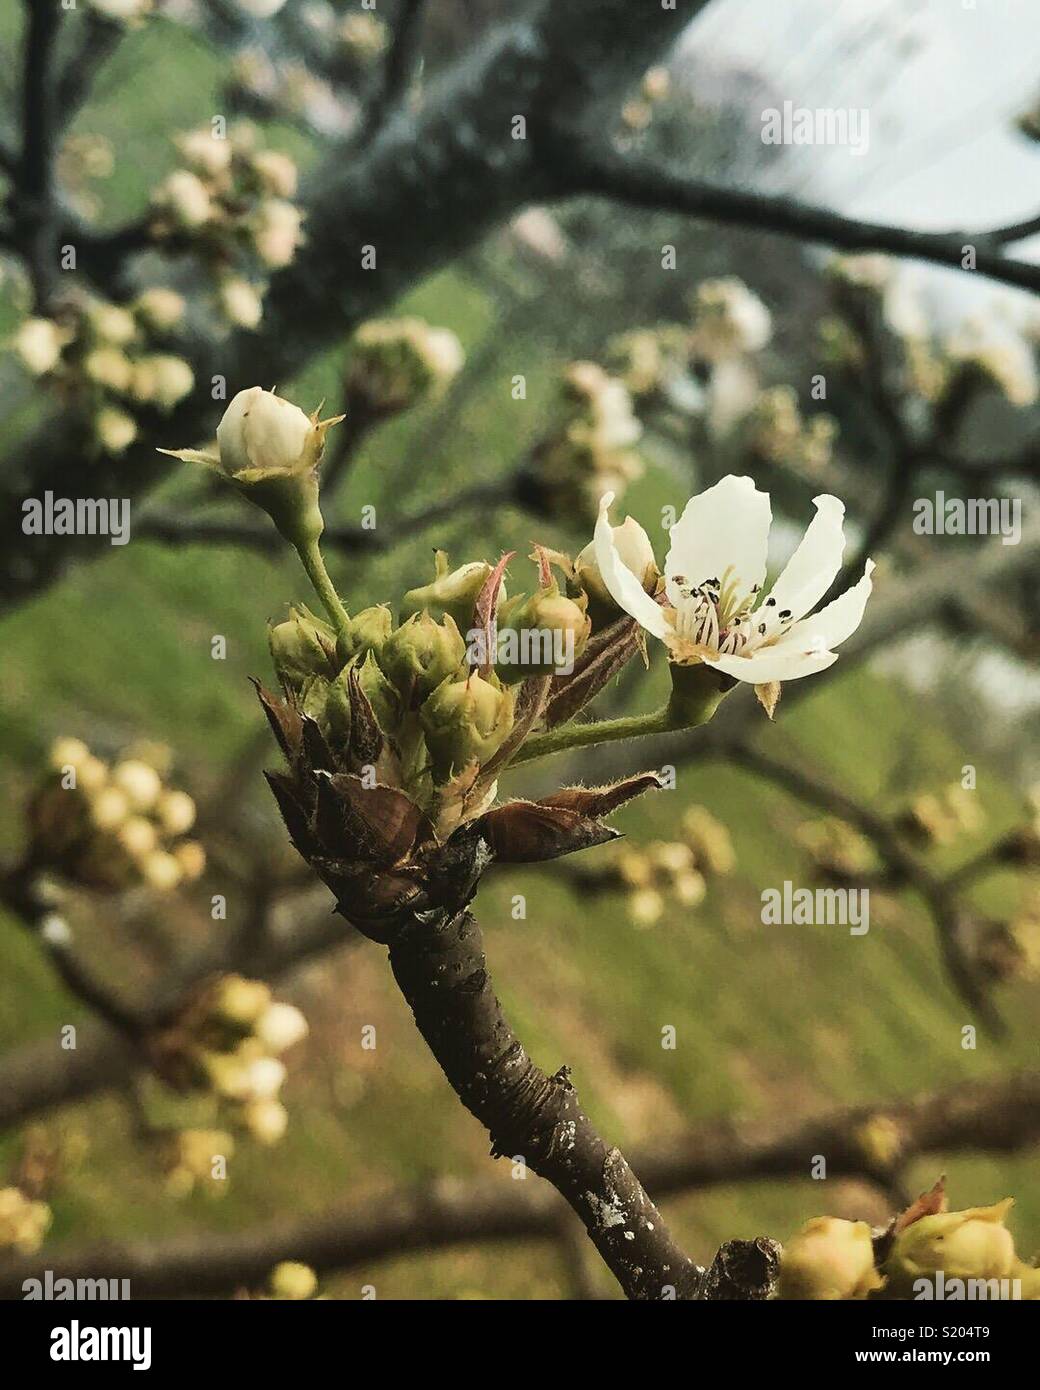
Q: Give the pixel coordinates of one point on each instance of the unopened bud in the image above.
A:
(454, 593)
(421, 653)
(465, 721)
(302, 646)
(829, 1259)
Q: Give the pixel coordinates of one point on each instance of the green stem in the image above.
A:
(311, 559)
(570, 736)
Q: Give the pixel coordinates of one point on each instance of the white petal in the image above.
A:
(622, 585)
(769, 664)
(725, 527)
(813, 567)
(831, 625)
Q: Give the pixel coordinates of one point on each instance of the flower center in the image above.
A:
(718, 615)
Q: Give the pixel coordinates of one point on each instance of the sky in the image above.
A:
(942, 81)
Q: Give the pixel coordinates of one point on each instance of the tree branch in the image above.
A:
(978, 1116)
(653, 186)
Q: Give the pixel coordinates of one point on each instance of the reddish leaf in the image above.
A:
(284, 719)
(484, 610)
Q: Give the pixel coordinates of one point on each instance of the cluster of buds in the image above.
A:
(678, 870)
(103, 357)
(191, 1159)
(775, 430)
(396, 363)
(589, 452)
(729, 320)
(839, 853)
(939, 818)
(23, 1222)
(650, 362)
(832, 1259)
(394, 731)
(231, 201)
(111, 827)
(229, 1041)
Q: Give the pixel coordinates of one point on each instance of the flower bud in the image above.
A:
(175, 812)
(281, 1026)
(191, 860)
(276, 172)
(107, 808)
(159, 308)
(829, 1259)
(645, 906)
(240, 1001)
(277, 232)
(464, 721)
(37, 343)
(367, 632)
(114, 430)
(163, 380)
(241, 303)
(420, 654)
(379, 692)
(269, 449)
(185, 198)
(160, 871)
(267, 1120)
(970, 1244)
(291, 1280)
(635, 553)
(541, 633)
(141, 783)
(454, 593)
(111, 323)
(108, 367)
(264, 1078)
(302, 646)
(137, 836)
(327, 702)
(204, 152)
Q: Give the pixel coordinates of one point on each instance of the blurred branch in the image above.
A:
(33, 203)
(652, 186)
(973, 1117)
(400, 60)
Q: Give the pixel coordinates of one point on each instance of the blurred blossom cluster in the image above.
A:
(939, 818)
(111, 826)
(228, 1042)
(190, 1160)
(103, 359)
(230, 201)
(652, 874)
(839, 853)
(589, 449)
(396, 363)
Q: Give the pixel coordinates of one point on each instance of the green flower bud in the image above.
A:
(971, 1244)
(302, 646)
(453, 594)
(378, 691)
(466, 719)
(367, 632)
(328, 704)
(829, 1259)
(421, 653)
(541, 633)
